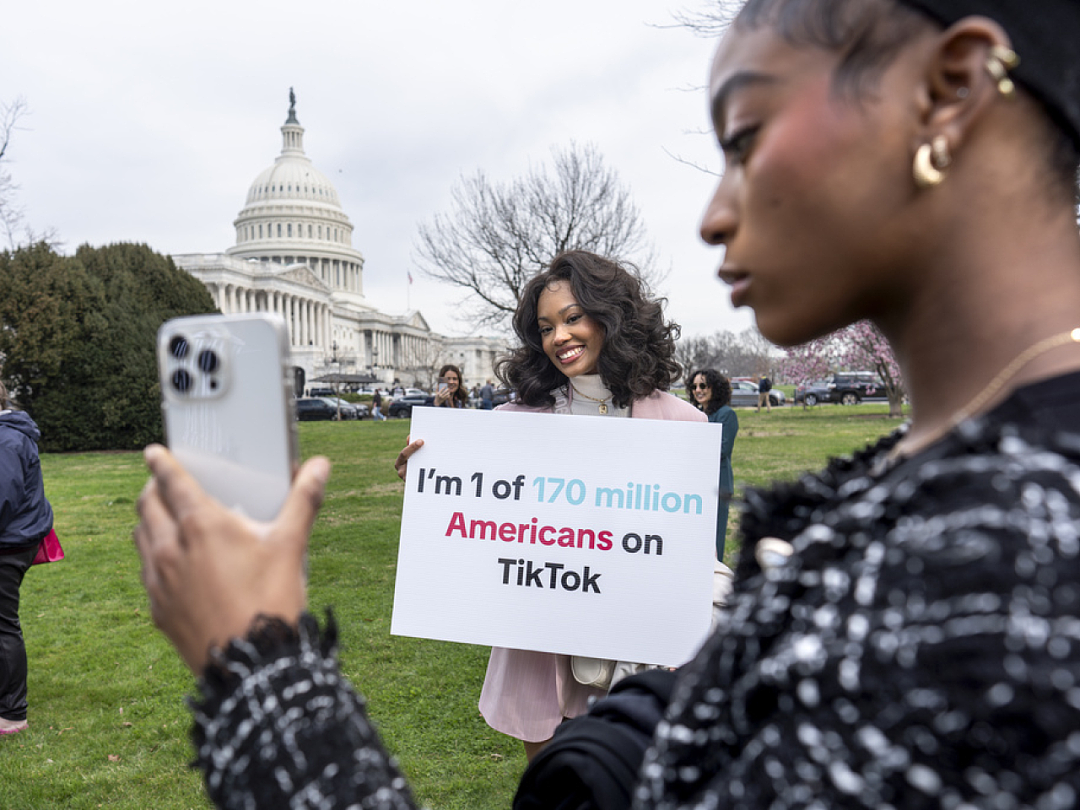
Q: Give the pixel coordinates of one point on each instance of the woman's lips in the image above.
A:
(739, 281)
(570, 355)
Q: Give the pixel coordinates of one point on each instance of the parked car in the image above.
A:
(812, 393)
(401, 407)
(322, 391)
(314, 408)
(349, 410)
(416, 392)
(852, 387)
(744, 394)
(501, 397)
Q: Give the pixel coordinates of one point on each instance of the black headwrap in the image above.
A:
(1045, 35)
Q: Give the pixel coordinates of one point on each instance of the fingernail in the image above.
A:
(320, 468)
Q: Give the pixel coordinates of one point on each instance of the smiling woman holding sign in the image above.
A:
(592, 344)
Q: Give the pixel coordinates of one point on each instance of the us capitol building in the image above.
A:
(294, 256)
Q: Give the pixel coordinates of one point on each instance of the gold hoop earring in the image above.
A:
(931, 159)
(1000, 61)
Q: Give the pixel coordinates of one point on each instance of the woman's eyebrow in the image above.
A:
(734, 83)
(559, 312)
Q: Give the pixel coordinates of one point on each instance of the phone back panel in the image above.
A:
(227, 402)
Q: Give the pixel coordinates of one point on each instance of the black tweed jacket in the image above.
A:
(921, 648)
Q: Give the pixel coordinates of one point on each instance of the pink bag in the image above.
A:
(49, 550)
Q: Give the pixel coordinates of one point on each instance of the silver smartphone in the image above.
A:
(227, 403)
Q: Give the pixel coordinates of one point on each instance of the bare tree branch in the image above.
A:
(691, 163)
(10, 215)
(498, 235)
(712, 20)
(734, 355)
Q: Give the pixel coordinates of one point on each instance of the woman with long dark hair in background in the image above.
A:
(710, 392)
(451, 391)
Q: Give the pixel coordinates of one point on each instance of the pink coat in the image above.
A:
(527, 694)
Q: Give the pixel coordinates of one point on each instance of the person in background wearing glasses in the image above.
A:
(710, 393)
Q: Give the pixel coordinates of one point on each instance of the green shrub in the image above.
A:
(79, 335)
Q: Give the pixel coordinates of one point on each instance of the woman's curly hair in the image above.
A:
(717, 382)
(638, 353)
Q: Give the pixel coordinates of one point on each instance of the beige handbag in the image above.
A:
(592, 671)
(603, 673)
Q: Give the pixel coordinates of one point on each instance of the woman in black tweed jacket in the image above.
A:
(911, 162)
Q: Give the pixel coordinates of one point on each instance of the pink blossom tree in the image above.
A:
(858, 347)
(808, 361)
(864, 347)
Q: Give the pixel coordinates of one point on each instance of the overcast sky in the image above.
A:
(149, 121)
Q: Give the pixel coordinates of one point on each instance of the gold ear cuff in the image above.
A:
(1000, 61)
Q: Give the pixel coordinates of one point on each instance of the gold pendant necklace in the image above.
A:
(981, 399)
(602, 407)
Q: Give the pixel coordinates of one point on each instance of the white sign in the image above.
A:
(579, 535)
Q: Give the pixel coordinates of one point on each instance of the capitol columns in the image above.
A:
(298, 319)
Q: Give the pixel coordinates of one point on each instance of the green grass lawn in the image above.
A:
(108, 726)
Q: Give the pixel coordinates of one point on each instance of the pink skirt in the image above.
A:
(527, 694)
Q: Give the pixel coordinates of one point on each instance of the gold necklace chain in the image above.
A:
(602, 407)
(976, 403)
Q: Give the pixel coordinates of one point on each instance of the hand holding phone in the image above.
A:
(208, 571)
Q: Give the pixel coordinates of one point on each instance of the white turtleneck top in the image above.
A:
(590, 385)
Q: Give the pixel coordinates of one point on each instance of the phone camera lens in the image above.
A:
(208, 361)
(181, 380)
(178, 347)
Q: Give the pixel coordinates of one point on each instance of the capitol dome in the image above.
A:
(293, 177)
(293, 215)
(294, 258)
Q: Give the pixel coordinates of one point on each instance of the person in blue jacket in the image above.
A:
(710, 392)
(25, 519)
